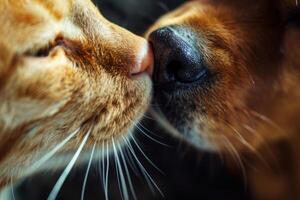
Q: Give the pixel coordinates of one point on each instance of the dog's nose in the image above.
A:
(176, 57)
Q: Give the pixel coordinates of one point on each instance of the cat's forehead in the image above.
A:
(26, 23)
(54, 8)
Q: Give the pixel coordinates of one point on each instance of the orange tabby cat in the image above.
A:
(227, 77)
(69, 81)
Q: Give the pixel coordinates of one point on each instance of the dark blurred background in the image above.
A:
(135, 15)
(187, 173)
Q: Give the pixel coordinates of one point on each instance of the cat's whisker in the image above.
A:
(148, 117)
(107, 171)
(147, 135)
(130, 160)
(149, 131)
(131, 150)
(53, 194)
(146, 175)
(101, 168)
(87, 172)
(161, 119)
(49, 155)
(12, 188)
(120, 175)
(145, 156)
(150, 137)
(104, 168)
(127, 172)
(101, 164)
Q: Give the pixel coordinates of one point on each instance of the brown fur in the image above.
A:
(254, 103)
(83, 83)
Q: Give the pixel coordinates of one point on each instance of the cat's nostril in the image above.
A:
(176, 57)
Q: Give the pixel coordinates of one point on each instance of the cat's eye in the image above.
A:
(44, 51)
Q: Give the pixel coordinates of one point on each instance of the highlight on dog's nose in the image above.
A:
(176, 57)
(145, 61)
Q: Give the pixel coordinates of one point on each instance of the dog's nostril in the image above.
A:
(178, 71)
(176, 58)
(172, 70)
(185, 70)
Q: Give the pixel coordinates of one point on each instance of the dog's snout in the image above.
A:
(176, 57)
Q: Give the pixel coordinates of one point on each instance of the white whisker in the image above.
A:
(147, 117)
(120, 174)
(12, 188)
(146, 175)
(146, 129)
(131, 150)
(104, 169)
(53, 194)
(146, 157)
(144, 133)
(46, 157)
(107, 172)
(160, 118)
(131, 161)
(87, 172)
(127, 172)
(148, 136)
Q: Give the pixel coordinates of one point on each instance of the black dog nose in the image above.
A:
(176, 57)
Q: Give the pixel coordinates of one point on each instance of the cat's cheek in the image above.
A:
(38, 89)
(125, 105)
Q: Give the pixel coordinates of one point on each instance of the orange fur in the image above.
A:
(82, 82)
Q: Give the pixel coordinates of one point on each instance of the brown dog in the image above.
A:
(227, 77)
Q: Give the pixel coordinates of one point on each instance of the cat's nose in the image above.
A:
(177, 59)
(144, 60)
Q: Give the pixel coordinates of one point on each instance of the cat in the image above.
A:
(71, 84)
(226, 77)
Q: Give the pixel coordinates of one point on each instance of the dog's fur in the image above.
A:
(63, 68)
(250, 103)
